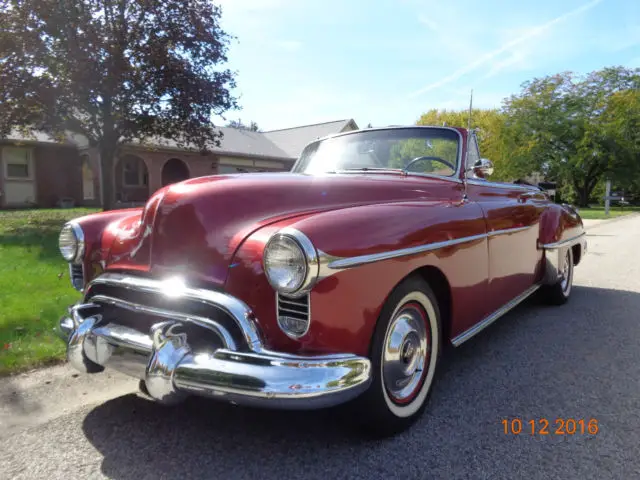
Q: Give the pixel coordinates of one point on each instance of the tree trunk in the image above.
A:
(584, 189)
(107, 158)
(583, 197)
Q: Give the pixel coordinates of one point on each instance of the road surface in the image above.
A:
(578, 361)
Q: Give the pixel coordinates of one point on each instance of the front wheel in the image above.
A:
(404, 355)
(558, 293)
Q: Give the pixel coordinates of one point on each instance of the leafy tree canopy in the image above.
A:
(489, 125)
(576, 129)
(114, 71)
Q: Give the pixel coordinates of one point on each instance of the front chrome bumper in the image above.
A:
(173, 368)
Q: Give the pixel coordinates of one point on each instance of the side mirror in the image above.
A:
(483, 168)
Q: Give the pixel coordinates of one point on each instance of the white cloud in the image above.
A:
(515, 59)
(509, 46)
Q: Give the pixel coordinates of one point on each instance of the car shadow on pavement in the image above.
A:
(536, 362)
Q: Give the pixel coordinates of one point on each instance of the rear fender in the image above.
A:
(561, 228)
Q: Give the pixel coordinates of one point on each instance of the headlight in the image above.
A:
(71, 242)
(290, 262)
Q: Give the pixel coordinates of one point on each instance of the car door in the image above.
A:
(512, 214)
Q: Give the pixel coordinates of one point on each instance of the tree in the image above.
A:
(620, 128)
(561, 125)
(114, 71)
(491, 139)
(252, 127)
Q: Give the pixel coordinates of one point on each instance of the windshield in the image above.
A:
(418, 150)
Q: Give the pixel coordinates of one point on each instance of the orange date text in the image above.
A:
(543, 426)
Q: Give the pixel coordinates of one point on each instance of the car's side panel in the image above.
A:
(512, 214)
(345, 305)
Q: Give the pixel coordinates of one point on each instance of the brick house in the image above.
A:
(41, 172)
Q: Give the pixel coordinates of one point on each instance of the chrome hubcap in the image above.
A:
(405, 352)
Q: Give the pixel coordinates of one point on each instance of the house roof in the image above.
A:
(234, 141)
(36, 137)
(293, 140)
(284, 144)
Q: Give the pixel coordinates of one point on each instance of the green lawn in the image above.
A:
(597, 213)
(34, 286)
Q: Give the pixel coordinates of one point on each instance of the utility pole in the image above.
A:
(607, 195)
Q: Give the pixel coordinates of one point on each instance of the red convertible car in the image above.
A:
(340, 281)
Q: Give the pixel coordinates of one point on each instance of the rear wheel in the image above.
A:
(558, 293)
(404, 355)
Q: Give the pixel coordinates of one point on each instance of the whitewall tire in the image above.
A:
(559, 292)
(404, 353)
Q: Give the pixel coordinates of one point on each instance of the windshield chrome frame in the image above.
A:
(455, 176)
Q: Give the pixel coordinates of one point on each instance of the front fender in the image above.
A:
(100, 230)
(345, 303)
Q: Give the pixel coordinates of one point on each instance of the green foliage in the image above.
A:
(572, 128)
(491, 138)
(114, 71)
(405, 151)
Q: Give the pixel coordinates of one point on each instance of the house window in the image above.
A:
(134, 172)
(17, 163)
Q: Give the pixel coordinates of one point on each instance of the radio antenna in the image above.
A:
(470, 107)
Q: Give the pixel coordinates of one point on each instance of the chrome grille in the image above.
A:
(294, 314)
(76, 275)
(158, 301)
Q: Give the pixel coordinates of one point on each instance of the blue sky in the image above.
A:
(386, 62)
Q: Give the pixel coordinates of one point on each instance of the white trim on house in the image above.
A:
(30, 164)
(18, 190)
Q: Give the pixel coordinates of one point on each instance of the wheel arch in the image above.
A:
(577, 253)
(437, 281)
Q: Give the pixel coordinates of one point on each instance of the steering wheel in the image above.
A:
(425, 157)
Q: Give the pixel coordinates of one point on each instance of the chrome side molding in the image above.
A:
(477, 328)
(569, 242)
(329, 263)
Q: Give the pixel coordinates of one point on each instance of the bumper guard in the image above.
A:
(163, 358)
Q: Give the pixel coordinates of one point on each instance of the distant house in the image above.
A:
(42, 172)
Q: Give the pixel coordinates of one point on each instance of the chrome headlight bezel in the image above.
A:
(310, 259)
(76, 252)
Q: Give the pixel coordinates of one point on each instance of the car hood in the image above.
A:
(194, 227)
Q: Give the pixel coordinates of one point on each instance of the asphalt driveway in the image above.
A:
(579, 361)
